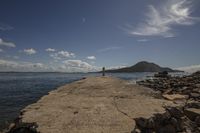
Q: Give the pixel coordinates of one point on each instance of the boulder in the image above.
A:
(194, 95)
(167, 129)
(193, 104)
(197, 120)
(175, 112)
(23, 128)
(173, 97)
(192, 113)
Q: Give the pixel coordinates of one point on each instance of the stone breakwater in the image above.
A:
(90, 105)
(184, 91)
(109, 105)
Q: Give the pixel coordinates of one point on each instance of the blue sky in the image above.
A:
(77, 35)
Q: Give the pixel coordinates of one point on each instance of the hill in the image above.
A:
(143, 66)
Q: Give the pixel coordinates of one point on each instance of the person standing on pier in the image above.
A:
(103, 71)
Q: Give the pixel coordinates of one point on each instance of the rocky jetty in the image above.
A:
(183, 119)
(188, 86)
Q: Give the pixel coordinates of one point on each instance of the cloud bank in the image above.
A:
(109, 49)
(6, 66)
(78, 66)
(62, 55)
(65, 66)
(159, 20)
(190, 69)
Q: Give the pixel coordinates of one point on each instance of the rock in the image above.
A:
(12, 125)
(192, 113)
(150, 123)
(140, 122)
(197, 120)
(163, 74)
(193, 104)
(175, 112)
(167, 129)
(168, 91)
(194, 95)
(23, 128)
(172, 121)
(173, 97)
(136, 131)
(197, 85)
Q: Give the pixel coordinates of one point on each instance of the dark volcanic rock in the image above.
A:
(192, 113)
(172, 121)
(23, 128)
(186, 85)
(20, 127)
(184, 119)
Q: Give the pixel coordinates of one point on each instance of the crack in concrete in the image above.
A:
(115, 104)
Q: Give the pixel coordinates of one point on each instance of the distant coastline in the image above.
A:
(142, 66)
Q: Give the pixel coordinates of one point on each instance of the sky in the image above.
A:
(85, 35)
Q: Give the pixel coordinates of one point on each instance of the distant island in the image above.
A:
(142, 66)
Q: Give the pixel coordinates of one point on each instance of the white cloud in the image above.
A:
(142, 40)
(160, 19)
(190, 69)
(12, 57)
(30, 51)
(6, 65)
(91, 57)
(50, 50)
(1, 50)
(116, 67)
(15, 57)
(5, 27)
(6, 44)
(78, 66)
(64, 66)
(62, 55)
(109, 49)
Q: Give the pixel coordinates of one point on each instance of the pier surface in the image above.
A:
(93, 105)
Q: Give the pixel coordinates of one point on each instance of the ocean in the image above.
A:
(17, 90)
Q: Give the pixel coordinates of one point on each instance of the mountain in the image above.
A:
(143, 66)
